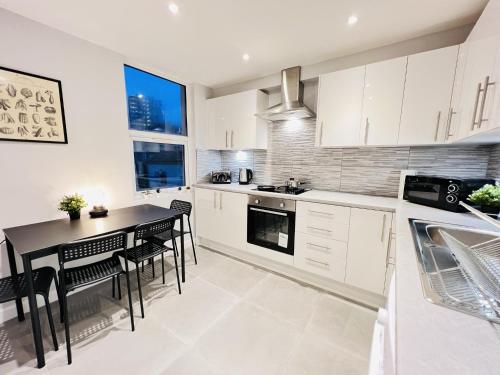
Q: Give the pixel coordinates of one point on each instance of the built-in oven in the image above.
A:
(271, 223)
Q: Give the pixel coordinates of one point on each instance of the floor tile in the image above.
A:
(287, 299)
(191, 363)
(233, 276)
(248, 340)
(343, 324)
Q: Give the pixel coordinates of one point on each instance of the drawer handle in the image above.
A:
(317, 262)
(318, 246)
(320, 229)
(320, 213)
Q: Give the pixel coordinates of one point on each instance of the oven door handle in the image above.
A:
(268, 211)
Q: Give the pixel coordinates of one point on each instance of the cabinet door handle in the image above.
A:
(320, 213)
(324, 264)
(232, 139)
(320, 229)
(367, 127)
(487, 84)
(226, 138)
(476, 103)
(220, 202)
(383, 230)
(321, 133)
(448, 123)
(215, 200)
(438, 120)
(318, 246)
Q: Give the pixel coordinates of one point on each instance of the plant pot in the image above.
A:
(74, 215)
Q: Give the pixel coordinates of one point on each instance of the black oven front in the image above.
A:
(271, 223)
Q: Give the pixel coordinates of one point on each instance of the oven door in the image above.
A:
(271, 228)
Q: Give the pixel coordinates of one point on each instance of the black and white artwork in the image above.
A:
(31, 108)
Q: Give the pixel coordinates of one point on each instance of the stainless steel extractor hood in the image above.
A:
(291, 107)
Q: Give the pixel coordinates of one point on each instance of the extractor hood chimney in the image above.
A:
(291, 107)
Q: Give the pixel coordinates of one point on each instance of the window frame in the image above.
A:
(161, 77)
(156, 137)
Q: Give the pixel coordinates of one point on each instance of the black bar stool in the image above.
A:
(14, 287)
(77, 277)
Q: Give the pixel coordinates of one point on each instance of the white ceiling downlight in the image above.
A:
(352, 20)
(173, 8)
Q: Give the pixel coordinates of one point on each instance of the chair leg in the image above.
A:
(130, 301)
(153, 265)
(177, 274)
(163, 268)
(59, 300)
(119, 287)
(174, 243)
(113, 286)
(143, 267)
(194, 251)
(66, 327)
(51, 322)
(140, 290)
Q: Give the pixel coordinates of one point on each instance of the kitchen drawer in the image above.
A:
(323, 220)
(320, 256)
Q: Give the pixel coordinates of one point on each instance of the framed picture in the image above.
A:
(31, 108)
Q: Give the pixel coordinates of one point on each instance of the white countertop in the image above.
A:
(317, 196)
(432, 339)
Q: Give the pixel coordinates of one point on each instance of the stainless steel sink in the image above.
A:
(459, 267)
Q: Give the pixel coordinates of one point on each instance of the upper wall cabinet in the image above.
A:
(427, 96)
(339, 107)
(382, 99)
(232, 122)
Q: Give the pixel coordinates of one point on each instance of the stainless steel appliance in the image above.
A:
(221, 177)
(459, 267)
(280, 189)
(246, 176)
(441, 192)
(292, 106)
(271, 223)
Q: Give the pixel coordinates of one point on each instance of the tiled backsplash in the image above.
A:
(373, 170)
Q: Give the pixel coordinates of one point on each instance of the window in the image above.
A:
(158, 165)
(155, 104)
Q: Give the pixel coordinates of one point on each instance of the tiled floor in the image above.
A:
(231, 318)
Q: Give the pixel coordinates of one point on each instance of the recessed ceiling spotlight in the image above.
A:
(173, 8)
(246, 56)
(352, 20)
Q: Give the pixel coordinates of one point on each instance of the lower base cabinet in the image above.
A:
(221, 217)
(368, 246)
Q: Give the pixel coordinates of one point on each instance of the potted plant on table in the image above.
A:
(487, 198)
(72, 204)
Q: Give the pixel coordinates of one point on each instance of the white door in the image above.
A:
(205, 211)
(477, 103)
(427, 96)
(340, 100)
(232, 229)
(369, 236)
(382, 101)
(218, 120)
(243, 107)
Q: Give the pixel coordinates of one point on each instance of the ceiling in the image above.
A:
(205, 41)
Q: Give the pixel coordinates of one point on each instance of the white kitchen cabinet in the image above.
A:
(233, 124)
(221, 217)
(452, 130)
(369, 238)
(323, 220)
(382, 101)
(340, 99)
(427, 96)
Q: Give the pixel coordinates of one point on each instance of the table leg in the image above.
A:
(35, 320)
(13, 272)
(183, 265)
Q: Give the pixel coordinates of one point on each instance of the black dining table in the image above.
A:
(38, 240)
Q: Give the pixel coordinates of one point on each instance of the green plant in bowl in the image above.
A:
(72, 204)
(488, 197)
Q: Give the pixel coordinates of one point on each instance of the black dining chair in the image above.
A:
(15, 287)
(145, 250)
(84, 275)
(185, 208)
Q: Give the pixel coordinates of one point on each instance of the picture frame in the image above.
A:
(31, 108)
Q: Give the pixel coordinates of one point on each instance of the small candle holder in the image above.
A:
(98, 211)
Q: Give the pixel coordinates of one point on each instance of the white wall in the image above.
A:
(35, 176)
